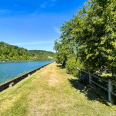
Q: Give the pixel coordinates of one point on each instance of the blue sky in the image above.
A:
(35, 24)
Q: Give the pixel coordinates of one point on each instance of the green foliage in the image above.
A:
(90, 36)
(42, 54)
(71, 66)
(14, 53)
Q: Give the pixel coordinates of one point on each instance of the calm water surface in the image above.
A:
(12, 69)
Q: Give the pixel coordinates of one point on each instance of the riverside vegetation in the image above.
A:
(90, 36)
(52, 92)
(88, 40)
(15, 53)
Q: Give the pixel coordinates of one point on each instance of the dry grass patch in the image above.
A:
(8, 103)
(52, 92)
(41, 100)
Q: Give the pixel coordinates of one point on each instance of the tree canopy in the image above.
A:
(15, 53)
(90, 36)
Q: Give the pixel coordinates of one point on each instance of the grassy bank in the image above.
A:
(52, 92)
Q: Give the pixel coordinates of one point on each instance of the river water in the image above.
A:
(13, 69)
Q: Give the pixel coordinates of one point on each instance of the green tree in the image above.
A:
(92, 35)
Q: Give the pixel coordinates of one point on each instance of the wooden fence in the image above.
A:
(18, 79)
(109, 83)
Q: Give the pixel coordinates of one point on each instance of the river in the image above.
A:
(13, 69)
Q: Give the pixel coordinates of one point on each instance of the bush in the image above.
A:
(71, 66)
(75, 73)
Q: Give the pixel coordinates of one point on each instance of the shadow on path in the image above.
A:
(88, 90)
(60, 66)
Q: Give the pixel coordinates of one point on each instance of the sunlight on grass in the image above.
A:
(52, 92)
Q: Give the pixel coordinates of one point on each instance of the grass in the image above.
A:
(52, 92)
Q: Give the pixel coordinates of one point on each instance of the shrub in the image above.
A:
(71, 66)
(75, 73)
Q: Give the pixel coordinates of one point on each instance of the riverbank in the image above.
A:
(52, 92)
(14, 69)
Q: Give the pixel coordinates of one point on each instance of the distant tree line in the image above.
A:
(89, 38)
(15, 53)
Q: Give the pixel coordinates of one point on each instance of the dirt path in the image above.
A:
(52, 92)
(49, 79)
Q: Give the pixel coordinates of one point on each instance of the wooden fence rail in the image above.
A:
(109, 82)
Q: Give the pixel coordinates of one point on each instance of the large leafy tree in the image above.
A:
(64, 52)
(100, 34)
(92, 34)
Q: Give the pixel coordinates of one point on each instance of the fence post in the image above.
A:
(109, 90)
(89, 78)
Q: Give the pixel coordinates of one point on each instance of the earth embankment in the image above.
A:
(52, 92)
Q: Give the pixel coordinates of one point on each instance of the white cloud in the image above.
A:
(31, 43)
(57, 30)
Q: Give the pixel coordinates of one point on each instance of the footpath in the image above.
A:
(52, 92)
